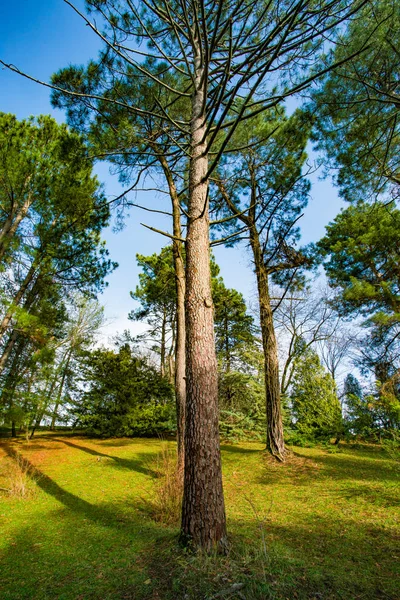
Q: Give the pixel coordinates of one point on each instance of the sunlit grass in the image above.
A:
(321, 526)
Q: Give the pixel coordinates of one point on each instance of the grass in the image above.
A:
(322, 526)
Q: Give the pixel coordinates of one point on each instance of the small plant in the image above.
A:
(392, 446)
(20, 477)
(168, 488)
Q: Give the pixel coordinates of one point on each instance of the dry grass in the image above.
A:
(19, 477)
(165, 506)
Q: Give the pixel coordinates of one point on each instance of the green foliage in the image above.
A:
(315, 408)
(156, 294)
(234, 327)
(262, 177)
(361, 250)
(357, 109)
(125, 396)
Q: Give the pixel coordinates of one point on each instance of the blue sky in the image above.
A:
(40, 37)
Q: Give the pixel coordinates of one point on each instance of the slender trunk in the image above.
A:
(8, 349)
(11, 225)
(58, 401)
(10, 382)
(54, 417)
(49, 395)
(10, 385)
(229, 394)
(203, 510)
(171, 369)
(275, 440)
(180, 342)
(17, 299)
(162, 349)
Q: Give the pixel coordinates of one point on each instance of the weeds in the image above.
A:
(20, 478)
(166, 504)
(392, 446)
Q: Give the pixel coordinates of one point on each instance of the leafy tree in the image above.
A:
(234, 327)
(260, 53)
(373, 413)
(361, 250)
(236, 350)
(31, 350)
(156, 293)
(55, 240)
(315, 406)
(357, 109)
(123, 395)
(45, 177)
(352, 386)
(262, 187)
(358, 414)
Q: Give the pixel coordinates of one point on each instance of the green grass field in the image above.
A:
(322, 526)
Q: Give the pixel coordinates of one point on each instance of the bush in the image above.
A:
(125, 396)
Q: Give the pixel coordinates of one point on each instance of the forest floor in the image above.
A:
(80, 524)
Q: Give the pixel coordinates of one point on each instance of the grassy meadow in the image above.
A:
(82, 522)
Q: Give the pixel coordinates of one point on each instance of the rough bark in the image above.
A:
(180, 342)
(275, 439)
(203, 511)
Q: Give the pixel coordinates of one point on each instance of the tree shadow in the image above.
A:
(69, 500)
(361, 467)
(239, 450)
(116, 443)
(383, 497)
(138, 465)
(330, 558)
(316, 560)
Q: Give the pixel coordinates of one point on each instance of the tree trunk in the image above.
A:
(13, 430)
(171, 368)
(8, 349)
(11, 225)
(180, 342)
(275, 440)
(60, 390)
(229, 392)
(203, 510)
(10, 382)
(54, 417)
(17, 299)
(162, 348)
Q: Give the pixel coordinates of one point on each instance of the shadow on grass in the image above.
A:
(238, 450)
(69, 500)
(324, 559)
(137, 465)
(372, 467)
(117, 443)
(97, 554)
